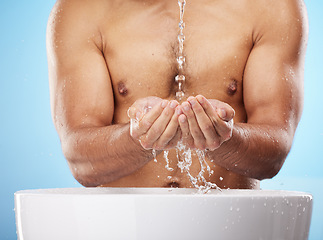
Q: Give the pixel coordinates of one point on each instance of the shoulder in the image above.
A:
(281, 12)
(280, 19)
(72, 21)
(81, 13)
(80, 10)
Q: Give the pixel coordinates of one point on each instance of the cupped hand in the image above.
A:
(154, 123)
(205, 123)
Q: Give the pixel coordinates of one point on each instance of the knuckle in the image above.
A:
(195, 132)
(207, 127)
(145, 144)
(167, 112)
(154, 131)
(167, 137)
(157, 147)
(215, 144)
(200, 145)
(144, 124)
(161, 144)
(198, 109)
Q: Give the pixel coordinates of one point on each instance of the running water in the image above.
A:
(180, 78)
(184, 154)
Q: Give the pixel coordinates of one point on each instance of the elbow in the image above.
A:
(272, 166)
(271, 171)
(268, 172)
(86, 181)
(86, 176)
(79, 167)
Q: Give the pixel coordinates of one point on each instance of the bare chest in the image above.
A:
(141, 50)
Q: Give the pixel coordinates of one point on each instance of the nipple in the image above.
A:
(232, 88)
(122, 89)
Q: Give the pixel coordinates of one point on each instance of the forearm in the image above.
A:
(255, 151)
(99, 155)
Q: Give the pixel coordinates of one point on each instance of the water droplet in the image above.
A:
(179, 95)
(180, 61)
(181, 38)
(180, 78)
(181, 25)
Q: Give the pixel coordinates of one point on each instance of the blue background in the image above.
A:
(30, 151)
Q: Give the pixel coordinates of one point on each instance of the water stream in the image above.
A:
(180, 78)
(184, 154)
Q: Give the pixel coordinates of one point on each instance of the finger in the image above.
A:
(187, 139)
(224, 110)
(222, 127)
(159, 126)
(226, 113)
(142, 106)
(148, 119)
(205, 124)
(195, 131)
(174, 141)
(168, 134)
(132, 111)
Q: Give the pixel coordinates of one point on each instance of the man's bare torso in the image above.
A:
(140, 47)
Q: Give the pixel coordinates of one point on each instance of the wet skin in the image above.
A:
(244, 60)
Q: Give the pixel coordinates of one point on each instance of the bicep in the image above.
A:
(273, 77)
(80, 87)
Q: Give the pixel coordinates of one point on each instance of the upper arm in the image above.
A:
(80, 86)
(273, 77)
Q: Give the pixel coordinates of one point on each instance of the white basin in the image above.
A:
(161, 213)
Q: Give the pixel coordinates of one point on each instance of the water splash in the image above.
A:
(184, 163)
(167, 161)
(154, 155)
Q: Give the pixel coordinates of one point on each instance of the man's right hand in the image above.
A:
(154, 123)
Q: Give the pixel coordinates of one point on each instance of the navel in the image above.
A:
(122, 89)
(232, 88)
(173, 184)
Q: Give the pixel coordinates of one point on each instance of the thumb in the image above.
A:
(225, 114)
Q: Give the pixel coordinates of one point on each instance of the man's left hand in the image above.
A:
(205, 123)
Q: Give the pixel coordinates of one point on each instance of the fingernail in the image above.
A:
(190, 98)
(164, 103)
(200, 99)
(182, 118)
(193, 101)
(222, 113)
(173, 104)
(186, 107)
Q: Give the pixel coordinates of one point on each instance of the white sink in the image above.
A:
(161, 213)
